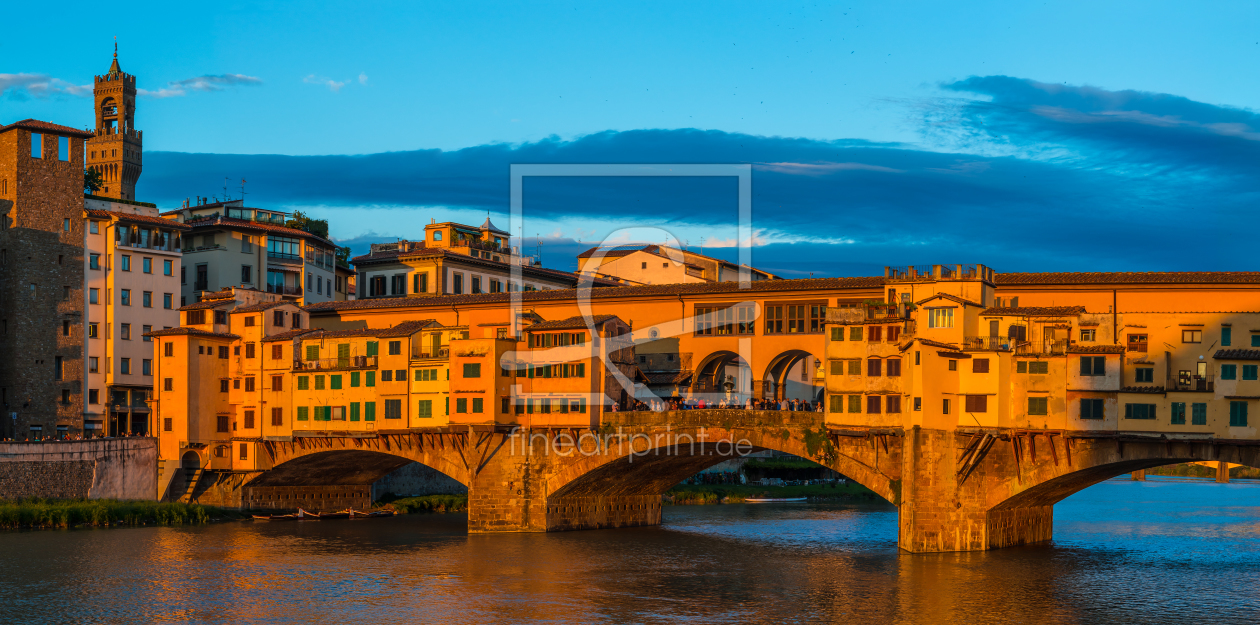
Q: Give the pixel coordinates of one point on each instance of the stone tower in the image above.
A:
(116, 149)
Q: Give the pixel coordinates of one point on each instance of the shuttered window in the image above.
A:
(424, 409)
(977, 403)
(1237, 414)
(1178, 413)
(1037, 406)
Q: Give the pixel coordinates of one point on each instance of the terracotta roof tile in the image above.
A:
(260, 306)
(406, 328)
(694, 288)
(572, 323)
(147, 219)
(528, 271)
(1097, 349)
(208, 304)
(187, 331)
(288, 336)
(927, 343)
(1237, 354)
(1130, 277)
(40, 126)
(1142, 389)
(1034, 311)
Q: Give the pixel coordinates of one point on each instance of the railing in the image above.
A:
(441, 352)
(284, 290)
(992, 343)
(1194, 383)
(478, 244)
(1052, 348)
(327, 364)
(1137, 347)
(282, 257)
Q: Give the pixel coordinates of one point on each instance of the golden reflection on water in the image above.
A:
(1123, 552)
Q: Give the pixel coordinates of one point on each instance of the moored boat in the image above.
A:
(776, 499)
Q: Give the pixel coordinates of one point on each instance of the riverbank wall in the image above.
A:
(104, 468)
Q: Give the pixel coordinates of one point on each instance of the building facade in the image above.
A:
(232, 245)
(661, 264)
(42, 300)
(454, 259)
(131, 276)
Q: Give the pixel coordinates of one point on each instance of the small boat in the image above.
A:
(776, 499)
(298, 516)
(370, 515)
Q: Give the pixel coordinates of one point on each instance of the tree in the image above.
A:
(343, 256)
(92, 181)
(301, 221)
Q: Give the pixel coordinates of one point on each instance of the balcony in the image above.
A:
(422, 354)
(1045, 348)
(1139, 346)
(991, 343)
(335, 364)
(1197, 383)
(284, 289)
(284, 259)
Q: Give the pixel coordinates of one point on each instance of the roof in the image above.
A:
(208, 304)
(187, 331)
(489, 226)
(948, 296)
(432, 252)
(1237, 354)
(929, 343)
(692, 288)
(220, 221)
(1142, 389)
(1130, 277)
(1096, 349)
(1034, 311)
(234, 203)
(147, 219)
(260, 306)
(659, 250)
(572, 323)
(286, 336)
(41, 126)
(406, 328)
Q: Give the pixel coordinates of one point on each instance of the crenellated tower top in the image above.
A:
(116, 150)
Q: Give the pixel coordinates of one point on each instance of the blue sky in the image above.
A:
(1061, 136)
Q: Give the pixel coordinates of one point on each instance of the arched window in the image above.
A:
(437, 235)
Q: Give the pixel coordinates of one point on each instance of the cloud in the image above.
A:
(363, 78)
(201, 83)
(24, 86)
(333, 85)
(1016, 174)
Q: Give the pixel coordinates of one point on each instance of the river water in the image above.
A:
(1124, 552)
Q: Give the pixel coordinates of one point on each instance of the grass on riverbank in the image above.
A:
(39, 513)
(736, 493)
(428, 503)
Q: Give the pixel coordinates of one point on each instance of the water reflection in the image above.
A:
(1124, 552)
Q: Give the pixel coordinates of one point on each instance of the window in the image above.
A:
(303, 382)
(335, 413)
(873, 404)
(37, 145)
(855, 404)
(472, 370)
(249, 384)
(369, 379)
(372, 348)
(836, 403)
(94, 261)
(94, 296)
(319, 382)
(1144, 374)
(94, 227)
(945, 406)
(145, 330)
(125, 262)
(277, 383)
(855, 333)
(1091, 409)
(724, 321)
(980, 365)
(168, 267)
(952, 365)
(1227, 335)
(1255, 340)
(393, 409)
(917, 360)
(124, 332)
(334, 382)
(249, 321)
(249, 350)
(277, 351)
(249, 419)
(168, 384)
(223, 352)
(1192, 336)
(222, 423)
(977, 403)
(63, 150)
(420, 283)
(1249, 372)
(894, 367)
(874, 334)
(1093, 365)
(146, 299)
(478, 405)
(387, 375)
(1178, 413)
(1137, 342)
(146, 367)
(837, 333)
(166, 301)
(459, 284)
(1037, 406)
(92, 330)
(1139, 411)
(940, 317)
(395, 348)
(1238, 414)
(277, 417)
(93, 364)
(247, 274)
(223, 385)
(892, 405)
(369, 410)
(126, 297)
(168, 349)
(303, 413)
(1229, 372)
(873, 366)
(774, 320)
(1088, 334)
(1198, 414)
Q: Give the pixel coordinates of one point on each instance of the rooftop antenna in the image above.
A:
(225, 183)
(242, 191)
(540, 244)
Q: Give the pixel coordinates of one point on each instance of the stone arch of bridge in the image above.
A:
(643, 466)
(1052, 476)
(336, 467)
(775, 379)
(710, 374)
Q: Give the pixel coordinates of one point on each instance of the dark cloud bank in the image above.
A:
(1023, 176)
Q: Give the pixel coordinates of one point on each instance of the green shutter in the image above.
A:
(371, 378)
(319, 382)
(354, 379)
(1198, 414)
(582, 405)
(312, 352)
(369, 411)
(1178, 413)
(304, 382)
(1238, 414)
(425, 409)
(343, 354)
(461, 405)
(372, 347)
(334, 382)
(837, 333)
(477, 406)
(1226, 335)
(1229, 372)
(448, 406)
(303, 413)
(837, 403)
(354, 411)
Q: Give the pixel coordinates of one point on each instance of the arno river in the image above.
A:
(1124, 552)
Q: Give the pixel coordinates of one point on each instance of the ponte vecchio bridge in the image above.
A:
(972, 401)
